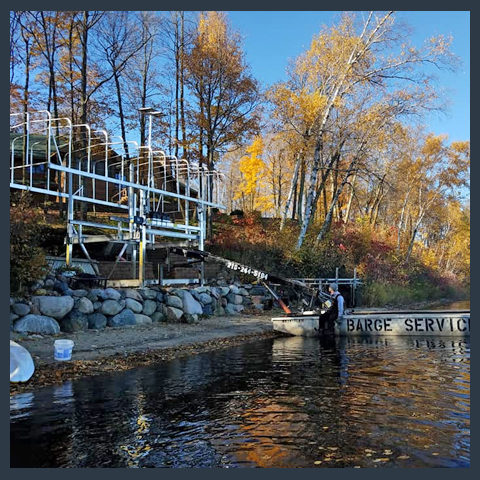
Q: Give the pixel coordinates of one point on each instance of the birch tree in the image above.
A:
(341, 60)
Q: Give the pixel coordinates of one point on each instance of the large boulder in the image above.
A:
(37, 324)
(97, 321)
(80, 293)
(84, 305)
(177, 291)
(111, 307)
(142, 319)
(231, 298)
(190, 305)
(21, 309)
(158, 317)
(234, 289)
(215, 292)
(54, 307)
(174, 315)
(112, 294)
(208, 309)
(133, 305)
(149, 307)
(230, 309)
(224, 291)
(205, 298)
(75, 321)
(148, 293)
(133, 294)
(190, 318)
(126, 317)
(238, 300)
(60, 286)
(13, 317)
(174, 301)
(107, 294)
(219, 311)
(195, 294)
(92, 297)
(242, 291)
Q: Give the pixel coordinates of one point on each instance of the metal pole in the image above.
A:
(142, 245)
(134, 260)
(354, 287)
(68, 255)
(131, 202)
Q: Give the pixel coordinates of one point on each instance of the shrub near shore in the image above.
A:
(372, 251)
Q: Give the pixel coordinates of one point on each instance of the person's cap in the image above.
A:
(334, 286)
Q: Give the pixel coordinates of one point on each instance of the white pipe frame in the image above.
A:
(154, 192)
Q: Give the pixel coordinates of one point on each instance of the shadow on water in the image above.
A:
(288, 402)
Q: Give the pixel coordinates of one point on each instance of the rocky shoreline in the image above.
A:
(115, 329)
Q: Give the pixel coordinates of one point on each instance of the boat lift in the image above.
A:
(141, 186)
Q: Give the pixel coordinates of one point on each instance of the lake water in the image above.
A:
(287, 402)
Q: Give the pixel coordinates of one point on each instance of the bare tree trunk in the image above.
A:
(379, 195)
(377, 209)
(321, 187)
(182, 85)
(410, 246)
(402, 220)
(121, 114)
(328, 218)
(293, 186)
(350, 199)
(300, 201)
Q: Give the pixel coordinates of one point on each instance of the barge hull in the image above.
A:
(437, 323)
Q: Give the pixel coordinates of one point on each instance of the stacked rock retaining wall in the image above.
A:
(53, 307)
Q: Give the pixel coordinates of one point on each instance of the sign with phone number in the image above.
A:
(247, 270)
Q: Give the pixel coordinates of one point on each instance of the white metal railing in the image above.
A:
(81, 166)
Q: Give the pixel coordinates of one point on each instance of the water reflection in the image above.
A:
(288, 402)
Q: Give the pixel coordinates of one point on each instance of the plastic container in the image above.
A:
(21, 363)
(63, 349)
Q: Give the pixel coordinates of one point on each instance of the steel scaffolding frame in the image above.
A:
(146, 183)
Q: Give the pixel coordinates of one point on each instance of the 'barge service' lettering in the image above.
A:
(410, 324)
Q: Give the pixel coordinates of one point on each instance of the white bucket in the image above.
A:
(63, 349)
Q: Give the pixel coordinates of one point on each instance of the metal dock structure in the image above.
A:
(153, 197)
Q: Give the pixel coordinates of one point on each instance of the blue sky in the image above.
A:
(272, 37)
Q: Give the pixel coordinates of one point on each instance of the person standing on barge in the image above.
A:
(334, 312)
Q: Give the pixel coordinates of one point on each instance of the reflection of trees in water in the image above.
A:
(276, 403)
(398, 392)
